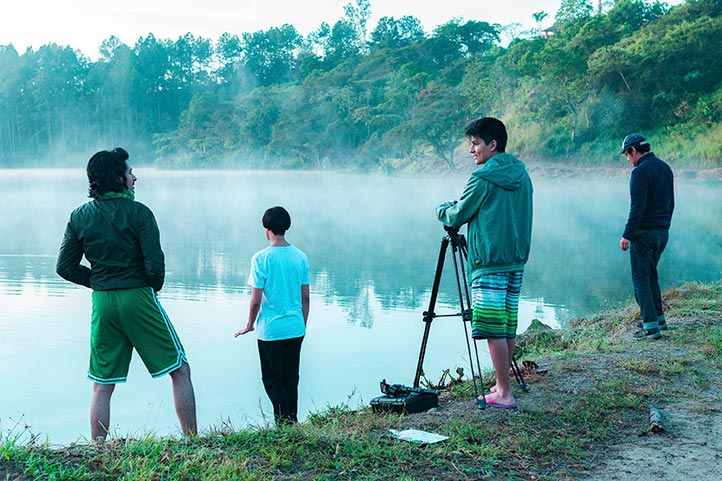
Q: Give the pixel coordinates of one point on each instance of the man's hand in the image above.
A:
(442, 208)
(624, 244)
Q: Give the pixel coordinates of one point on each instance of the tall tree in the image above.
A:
(190, 61)
(10, 90)
(392, 33)
(269, 55)
(357, 16)
(573, 11)
(155, 109)
(453, 41)
(438, 118)
(110, 87)
(539, 18)
(56, 90)
(227, 57)
(342, 43)
(564, 71)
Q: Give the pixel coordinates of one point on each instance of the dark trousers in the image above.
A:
(644, 253)
(280, 362)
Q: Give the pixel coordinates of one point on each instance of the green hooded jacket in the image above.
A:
(119, 237)
(497, 206)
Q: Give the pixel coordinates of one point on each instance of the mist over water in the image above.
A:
(372, 243)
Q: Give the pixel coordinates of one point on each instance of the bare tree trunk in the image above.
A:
(621, 74)
(573, 110)
(49, 124)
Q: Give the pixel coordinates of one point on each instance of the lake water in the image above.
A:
(372, 242)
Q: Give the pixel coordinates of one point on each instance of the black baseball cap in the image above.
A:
(632, 140)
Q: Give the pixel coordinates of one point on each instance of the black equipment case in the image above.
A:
(403, 399)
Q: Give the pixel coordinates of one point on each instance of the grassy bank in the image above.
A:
(575, 420)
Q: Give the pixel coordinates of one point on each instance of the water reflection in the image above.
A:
(372, 243)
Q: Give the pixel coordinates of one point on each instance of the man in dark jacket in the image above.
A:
(120, 240)
(651, 188)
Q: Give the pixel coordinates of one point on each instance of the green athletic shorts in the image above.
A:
(124, 319)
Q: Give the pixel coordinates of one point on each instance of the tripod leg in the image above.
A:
(464, 256)
(471, 363)
(517, 375)
(429, 314)
(480, 400)
(458, 247)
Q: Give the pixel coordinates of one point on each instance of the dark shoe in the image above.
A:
(647, 334)
(662, 327)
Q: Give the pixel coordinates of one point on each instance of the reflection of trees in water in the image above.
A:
(25, 270)
(374, 241)
(359, 310)
(576, 261)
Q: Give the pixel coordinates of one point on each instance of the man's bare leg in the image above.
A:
(500, 357)
(100, 411)
(184, 398)
(511, 343)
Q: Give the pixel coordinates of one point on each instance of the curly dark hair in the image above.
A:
(106, 172)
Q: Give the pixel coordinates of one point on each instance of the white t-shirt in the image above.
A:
(280, 272)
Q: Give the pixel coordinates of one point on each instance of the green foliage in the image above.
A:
(574, 11)
(269, 55)
(392, 33)
(392, 98)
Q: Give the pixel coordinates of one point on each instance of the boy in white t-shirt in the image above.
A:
(279, 309)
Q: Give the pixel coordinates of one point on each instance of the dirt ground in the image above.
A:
(689, 448)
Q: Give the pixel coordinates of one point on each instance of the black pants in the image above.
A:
(645, 252)
(280, 361)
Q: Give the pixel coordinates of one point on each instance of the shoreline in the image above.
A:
(588, 418)
(540, 169)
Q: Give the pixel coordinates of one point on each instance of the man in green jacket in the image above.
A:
(497, 206)
(120, 240)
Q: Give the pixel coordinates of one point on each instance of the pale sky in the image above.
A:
(84, 24)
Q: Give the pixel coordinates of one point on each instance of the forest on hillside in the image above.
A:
(392, 97)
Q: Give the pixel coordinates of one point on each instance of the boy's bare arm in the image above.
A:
(253, 308)
(305, 302)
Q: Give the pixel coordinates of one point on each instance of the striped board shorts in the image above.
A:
(495, 305)
(125, 319)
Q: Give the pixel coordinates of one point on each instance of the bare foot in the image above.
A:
(495, 400)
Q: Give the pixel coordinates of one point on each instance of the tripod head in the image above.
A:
(457, 239)
(452, 231)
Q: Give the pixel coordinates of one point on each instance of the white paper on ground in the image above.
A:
(417, 436)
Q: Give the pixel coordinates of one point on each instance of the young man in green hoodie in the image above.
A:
(497, 206)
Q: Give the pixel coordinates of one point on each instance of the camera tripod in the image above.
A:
(459, 256)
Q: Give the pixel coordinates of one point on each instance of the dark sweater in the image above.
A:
(119, 238)
(651, 188)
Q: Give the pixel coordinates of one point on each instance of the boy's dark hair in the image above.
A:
(106, 172)
(277, 220)
(488, 129)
